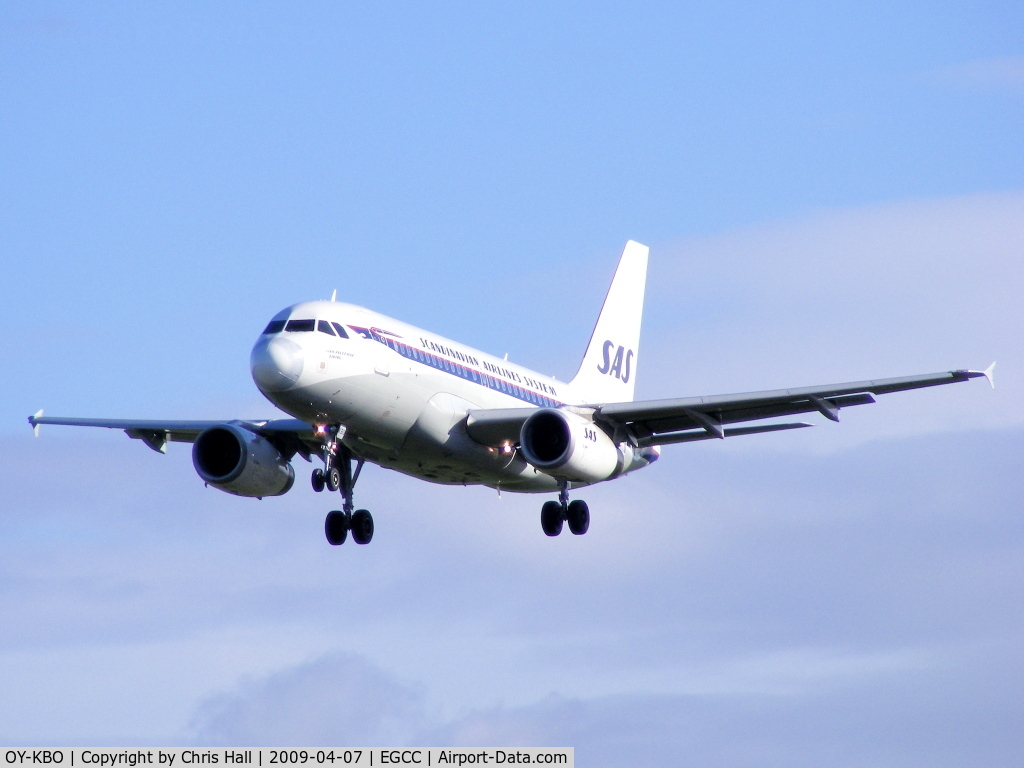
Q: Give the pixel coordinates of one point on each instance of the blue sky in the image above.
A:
(829, 192)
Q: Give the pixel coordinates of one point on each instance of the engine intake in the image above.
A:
(547, 439)
(235, 460)
(565, 445)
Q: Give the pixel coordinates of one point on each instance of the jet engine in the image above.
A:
(568, 446)
(237, 461)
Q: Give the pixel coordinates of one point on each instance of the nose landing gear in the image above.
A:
(332, 479)
(337, 475)
(554, 513)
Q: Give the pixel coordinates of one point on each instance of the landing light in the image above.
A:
(507, 447)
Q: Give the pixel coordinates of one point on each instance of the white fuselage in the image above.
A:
(401, 393)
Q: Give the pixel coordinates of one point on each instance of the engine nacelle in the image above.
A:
(237, 461)
(565, 445)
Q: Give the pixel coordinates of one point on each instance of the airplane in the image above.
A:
(361, 387)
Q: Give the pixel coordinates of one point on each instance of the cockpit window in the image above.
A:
(324, 327)
(340, 329)
(296, 326)
(275, 326)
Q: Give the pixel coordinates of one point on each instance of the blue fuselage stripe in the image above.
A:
(464, 372)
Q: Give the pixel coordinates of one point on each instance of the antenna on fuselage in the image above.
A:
(334, 295)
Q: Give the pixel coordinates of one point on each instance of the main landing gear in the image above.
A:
(337, 475)
(554, 513)
(338, 524)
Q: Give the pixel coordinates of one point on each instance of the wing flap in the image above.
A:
(739, 414)
(689, 437)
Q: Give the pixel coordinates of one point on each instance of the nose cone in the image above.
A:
(276, 363)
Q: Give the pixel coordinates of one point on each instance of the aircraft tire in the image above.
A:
(551, 518)
(362, 526)
(336, 528)
(578, 517)
(332, 479)
(317, 480)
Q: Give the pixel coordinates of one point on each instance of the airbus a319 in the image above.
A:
(362, 387)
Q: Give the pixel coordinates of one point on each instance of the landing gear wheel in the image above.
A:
(318, 480)
(551, 518)
(332, 478)
(578, 517)
(336, 528)
(362, 526)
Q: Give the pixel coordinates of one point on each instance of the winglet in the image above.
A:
(34, 423)
(334, 296)
(988, 373)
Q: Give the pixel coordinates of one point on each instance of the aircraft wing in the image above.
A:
(294, 435)
(661, 422)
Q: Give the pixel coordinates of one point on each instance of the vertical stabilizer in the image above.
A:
(608, 371)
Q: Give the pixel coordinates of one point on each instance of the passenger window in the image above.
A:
(297, 326)
(275, 326)
(340, 329)
(324, 327)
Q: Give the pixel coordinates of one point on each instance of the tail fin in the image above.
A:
(608, 371)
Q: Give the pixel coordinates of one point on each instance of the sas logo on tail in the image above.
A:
(620, 365)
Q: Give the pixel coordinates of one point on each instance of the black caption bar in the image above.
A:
(257, 758)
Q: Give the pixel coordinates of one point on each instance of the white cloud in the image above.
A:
(995, 73)
(717, 590)
(890, 708)
(903, 288)
(339, 699)
(898, 721)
